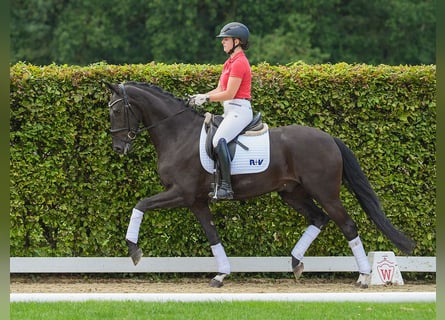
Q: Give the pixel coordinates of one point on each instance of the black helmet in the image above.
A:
(235, 30)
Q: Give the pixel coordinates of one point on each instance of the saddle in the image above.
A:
(212, 122)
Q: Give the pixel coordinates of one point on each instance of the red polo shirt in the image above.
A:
(239, 67)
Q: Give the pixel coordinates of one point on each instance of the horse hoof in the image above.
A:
(216, 283)
(361, 285)
(363, 281)
(136, 256)
(134, 252)
(298, 270)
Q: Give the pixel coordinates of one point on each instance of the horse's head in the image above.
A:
(123, 119)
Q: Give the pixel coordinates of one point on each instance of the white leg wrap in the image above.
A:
(360, 255)
(221, 258)
(134, 225)
(305, 241)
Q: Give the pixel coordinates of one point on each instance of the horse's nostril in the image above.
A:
(118, 149)
(122, 148)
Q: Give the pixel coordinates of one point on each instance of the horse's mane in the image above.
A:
(149, 87)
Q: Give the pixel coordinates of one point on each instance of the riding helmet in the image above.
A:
(235, 30)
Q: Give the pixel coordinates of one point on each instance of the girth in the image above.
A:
(212, 123)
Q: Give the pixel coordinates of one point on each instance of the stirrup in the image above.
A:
(224, 194)
(221, 193)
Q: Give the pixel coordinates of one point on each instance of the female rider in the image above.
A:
(233, 90)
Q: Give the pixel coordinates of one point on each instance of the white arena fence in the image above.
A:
(200, 264)
(380, 297)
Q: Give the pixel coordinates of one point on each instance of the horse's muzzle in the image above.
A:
(122, 148)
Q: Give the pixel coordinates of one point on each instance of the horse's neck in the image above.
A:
(176, 140)
(171, 129)
(156, 108)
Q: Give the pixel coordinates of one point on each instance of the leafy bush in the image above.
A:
(71, 195)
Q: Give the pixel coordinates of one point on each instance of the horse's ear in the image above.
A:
(112, 87)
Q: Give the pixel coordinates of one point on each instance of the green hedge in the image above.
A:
(71, 195)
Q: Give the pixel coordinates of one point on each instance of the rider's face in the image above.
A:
(228, 43)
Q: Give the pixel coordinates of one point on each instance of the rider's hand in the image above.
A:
(198, 99)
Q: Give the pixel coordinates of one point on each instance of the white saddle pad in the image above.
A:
(254, 160)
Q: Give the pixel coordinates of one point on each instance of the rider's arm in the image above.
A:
(216, 90)
(222, 95)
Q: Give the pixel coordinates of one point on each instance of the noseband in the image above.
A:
(133, 132)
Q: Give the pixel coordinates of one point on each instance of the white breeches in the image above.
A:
(237, 115)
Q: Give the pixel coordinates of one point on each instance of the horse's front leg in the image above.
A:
(205, 217)
(167, 199)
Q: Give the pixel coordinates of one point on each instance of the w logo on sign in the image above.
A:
(386, 270)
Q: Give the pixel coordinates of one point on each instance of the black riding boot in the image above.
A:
(224, 191)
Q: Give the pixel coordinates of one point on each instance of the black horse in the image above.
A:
(306, 164)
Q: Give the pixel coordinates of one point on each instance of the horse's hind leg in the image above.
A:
(205, 217)
(317, 220)
(338, 214)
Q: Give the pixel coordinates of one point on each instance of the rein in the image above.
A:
(133, 133)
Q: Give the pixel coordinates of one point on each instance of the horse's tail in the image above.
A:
(359, 184)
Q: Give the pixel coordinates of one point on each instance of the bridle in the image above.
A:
(133, 132)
